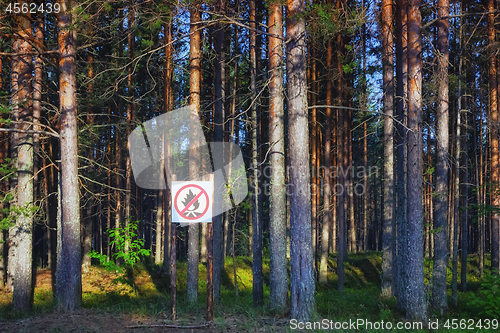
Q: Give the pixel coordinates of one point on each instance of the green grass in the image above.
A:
(145, 290)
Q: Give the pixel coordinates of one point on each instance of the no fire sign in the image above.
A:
(192, 201)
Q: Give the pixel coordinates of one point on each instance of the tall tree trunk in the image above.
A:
(416, 306)
(194, 153)
(277, 214)
(302, 274)
(458, 175)
(130, 119)
(257, 221)
(23, 228)
(387, 287)
(456, 194)
(108, 194)
(118, 182)
(493, 109)
(350, 173)
(401, 151)
(4, 148)
(168, 104)
(464, 180)
(69, 277)
(341, 164)
(158, 228)
(439, 298)
(365, 142)
(14, 115)
(311, 79)
(327, 191)
(218, 235)
(478, 141)
(365, 148)
(88, 219)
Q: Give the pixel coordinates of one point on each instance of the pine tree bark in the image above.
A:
(277, 214)
(456, 200)
(387, 286)
(88, 219)
(416, 306)
(341, 164)
(493, 122)
(302, 274)
(69, 277)
(327, 191)
(401, 151)
(258, 282)
(365, 144)
(159, 230)
(464, 180)
(14, 115)
(130, 119)
(218, 235)
(194, 153)
(164, 201)
(439, 298)
(23, 228)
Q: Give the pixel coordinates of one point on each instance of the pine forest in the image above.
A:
(249, 166)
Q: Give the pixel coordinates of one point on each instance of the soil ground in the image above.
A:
(113, 303)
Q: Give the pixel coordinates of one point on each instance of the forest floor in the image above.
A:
(138, 301)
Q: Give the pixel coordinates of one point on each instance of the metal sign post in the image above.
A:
(210, 262)
(173, 267)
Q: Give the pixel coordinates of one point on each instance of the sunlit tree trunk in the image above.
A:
(163, 199)
(219, 84)
(387, 287)
(416, 306)
(302, 274)
(88, 219)
(14, 115)
(194, 153)
(327, 191)
(257, 221)
(69, 277)
(118, 136)
(439, 298)
(401, 107)
(277, 214)
(23, 228)
(130, 119)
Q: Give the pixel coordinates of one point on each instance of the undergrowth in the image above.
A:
(144, 290)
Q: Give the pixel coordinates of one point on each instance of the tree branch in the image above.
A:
(455, 16)
(28, 131)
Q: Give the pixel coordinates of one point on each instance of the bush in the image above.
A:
(487, 299)
(120, 237)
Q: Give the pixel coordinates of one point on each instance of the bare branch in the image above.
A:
(28, 131)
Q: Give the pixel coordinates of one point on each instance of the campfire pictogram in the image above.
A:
(191, 210)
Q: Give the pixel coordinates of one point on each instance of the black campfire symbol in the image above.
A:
(191, 210)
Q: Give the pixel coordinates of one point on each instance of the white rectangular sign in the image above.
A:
(192, 201)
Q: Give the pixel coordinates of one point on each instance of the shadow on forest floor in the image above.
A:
(112, 302)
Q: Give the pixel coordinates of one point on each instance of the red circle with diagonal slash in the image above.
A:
(202, 191)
